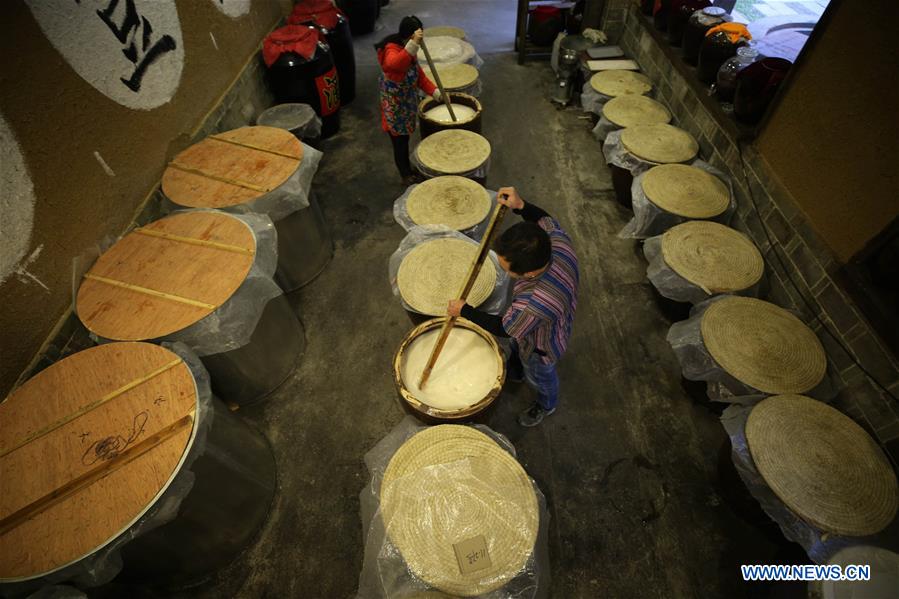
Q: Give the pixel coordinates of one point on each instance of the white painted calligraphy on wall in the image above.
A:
(130, 50)
(233, 8)
(16, 203)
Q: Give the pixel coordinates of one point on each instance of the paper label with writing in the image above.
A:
(472, 554)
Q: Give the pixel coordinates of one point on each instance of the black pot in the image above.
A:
(313, 81)
(361, 13)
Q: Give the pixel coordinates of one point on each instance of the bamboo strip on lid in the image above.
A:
(630, 110)
(686, 191)
(447, 484)
(454, 76)
(231, 168)
(164, 277)
(457, 202)
(618, 82)
(713, 257)
(763, 346)
(86, 447)
(454, 151)
(822, 465)
(659, 143)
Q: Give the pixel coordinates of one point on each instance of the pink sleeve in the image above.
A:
(396, 59)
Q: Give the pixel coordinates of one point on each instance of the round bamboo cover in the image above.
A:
(822, 465)
(715, 258)
(448, 484)
(164, 277)
(86, 447)
(457, 202)
(659, 143)
(763, 346)
(444, 30)
(433, 273)
(234, 167)
(619, 83)
(686, 191)
(454, 151)
(454, 76)
(630, 110)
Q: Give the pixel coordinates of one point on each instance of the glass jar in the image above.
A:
(726, 82)
(681, 10)
(756, 86)
(716, 48)
(694, 33)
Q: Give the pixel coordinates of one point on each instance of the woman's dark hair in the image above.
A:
(525, 246)
(408, 26)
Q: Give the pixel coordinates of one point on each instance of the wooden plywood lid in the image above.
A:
(630, 110)
(686, 191)
(433, 273)
(454, 76)
(763, 346)
(444, 30)
(454, 152)
(485, 492)
(457, 202)
(164, 277)
(231, 168)
(86, 446)
(618, 82)
(822, 465)
(713, 257)
(659, 143)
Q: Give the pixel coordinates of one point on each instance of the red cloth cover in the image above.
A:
(292, 38)
(320, 12)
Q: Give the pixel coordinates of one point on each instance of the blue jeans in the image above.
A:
(540, 377)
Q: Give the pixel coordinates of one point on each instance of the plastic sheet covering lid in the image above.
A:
(686, 191)
(630, 110)
(822, 465)
(620, 82)
(713, 257)
(454, 151)
(454, 76)
(299, 119)
(447, 49)
(117, 419)
(457, 202)
(452, 485)
(434, 272)
(234, 167)
(884, 580)
(164, 277)
(763, 346)
(659, 143)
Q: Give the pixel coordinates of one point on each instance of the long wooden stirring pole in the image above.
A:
(484, 248)
(446, 100)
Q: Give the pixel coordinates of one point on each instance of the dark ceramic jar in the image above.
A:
(681, 11)
(697, 25)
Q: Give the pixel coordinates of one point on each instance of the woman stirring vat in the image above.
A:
(400, 79)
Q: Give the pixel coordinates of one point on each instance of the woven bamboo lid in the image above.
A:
(454, 76)
(433, 273)
(86, 447)
(456, 202)
(448, 484)
(234, 167)
(164, 277)
(630, 110)
(659, 143)
(822, 465)
(686, 191)
(453, 151)
(444, 30)
(620, 82)
(715, 258)
(763, 345)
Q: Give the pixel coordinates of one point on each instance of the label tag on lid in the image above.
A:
(472, 554)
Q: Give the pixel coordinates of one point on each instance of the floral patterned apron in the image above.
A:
(399, 101)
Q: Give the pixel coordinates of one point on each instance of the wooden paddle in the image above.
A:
(443, 94)
(497, 217)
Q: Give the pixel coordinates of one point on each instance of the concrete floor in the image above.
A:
(628, 463)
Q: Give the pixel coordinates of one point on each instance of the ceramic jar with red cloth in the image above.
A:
(335, 27)
(301, 70)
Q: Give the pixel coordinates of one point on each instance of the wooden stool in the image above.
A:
(96, 445)
(160, 280)
(231, 170)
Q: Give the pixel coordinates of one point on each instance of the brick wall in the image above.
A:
(801, 269)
